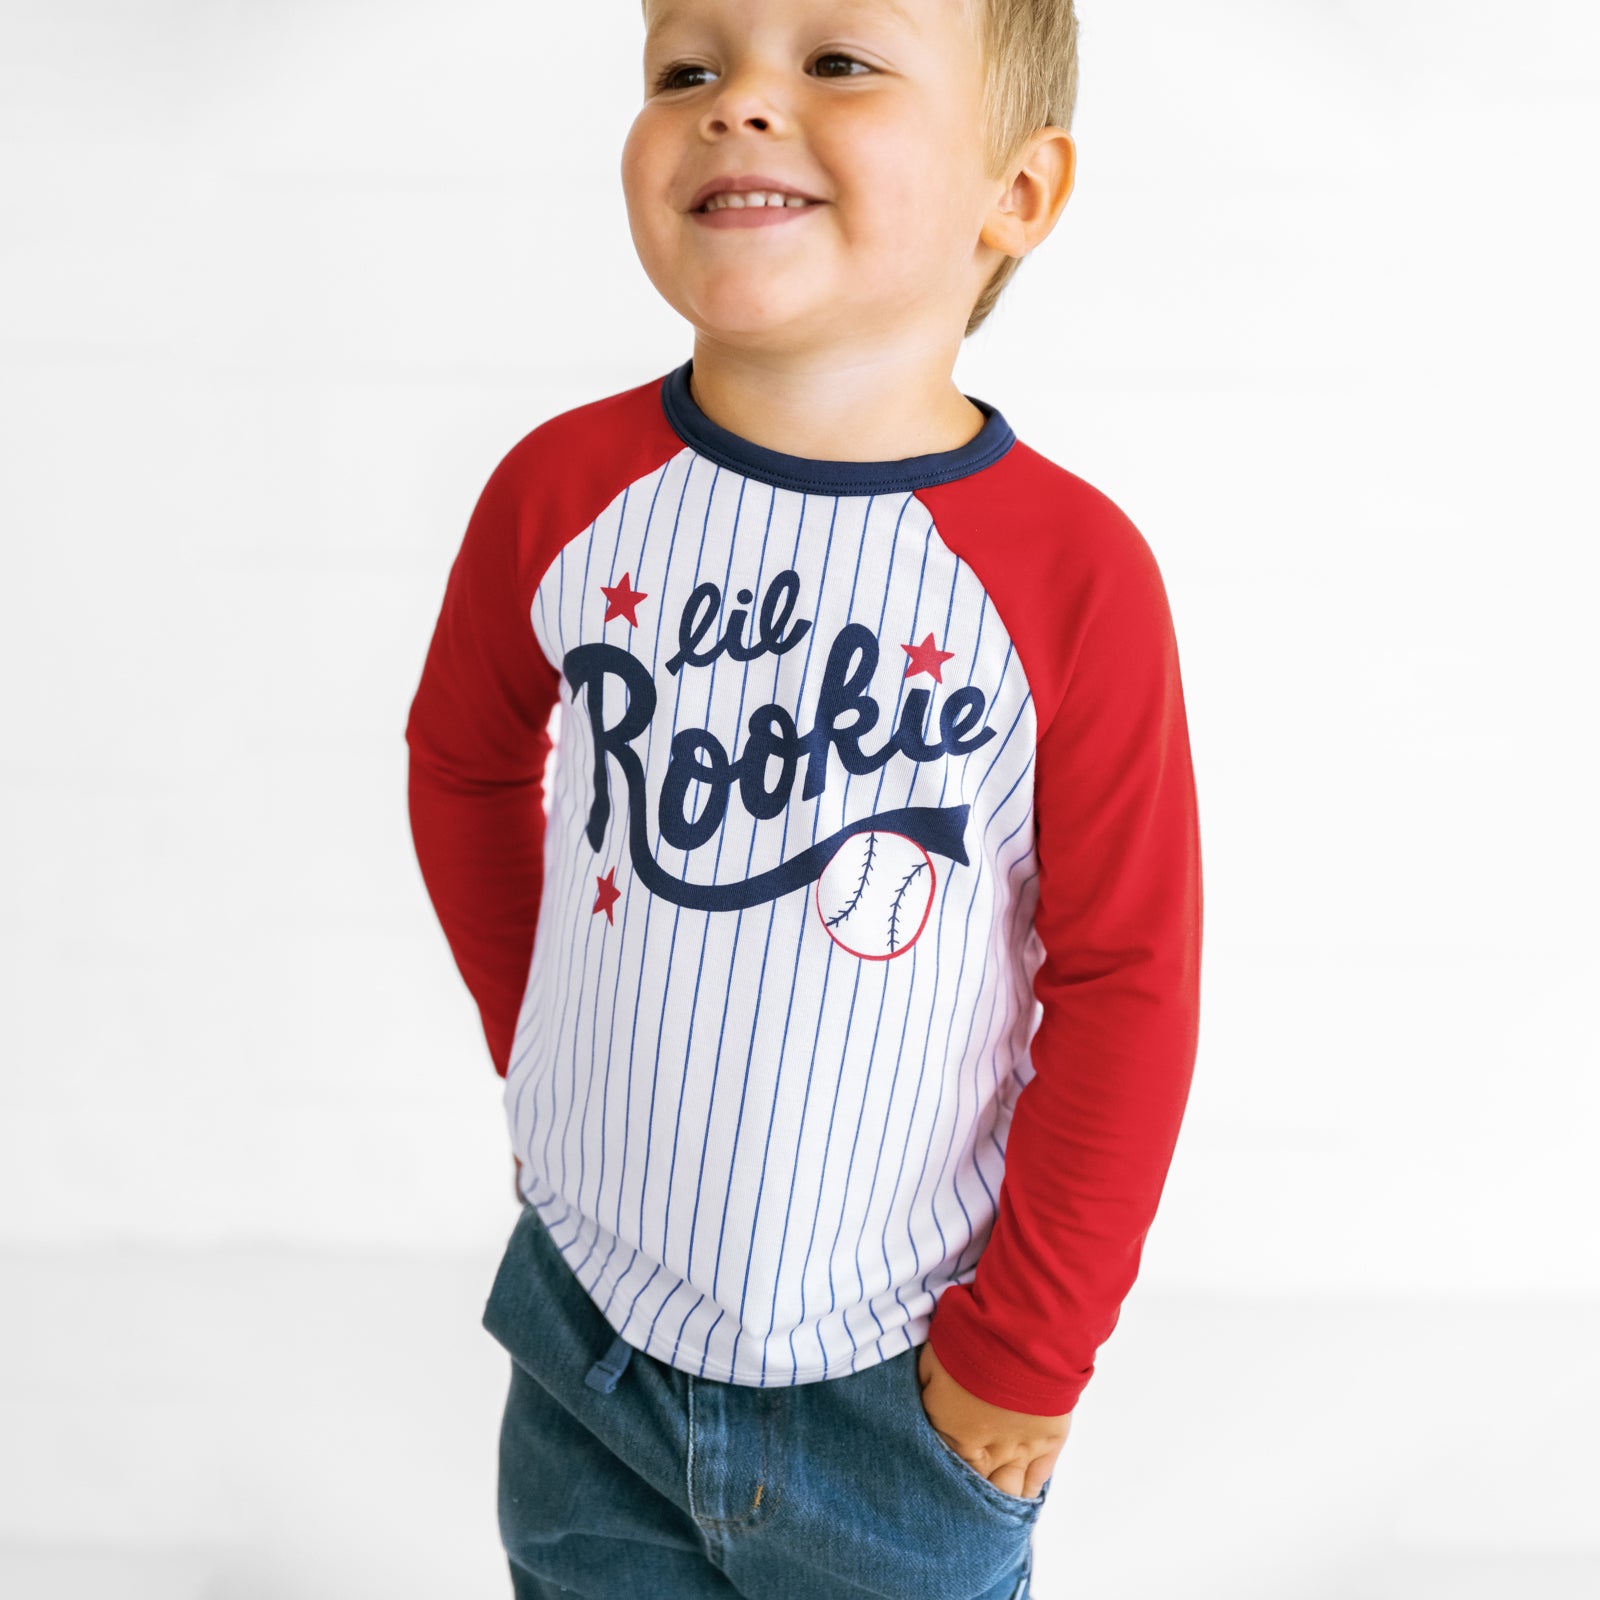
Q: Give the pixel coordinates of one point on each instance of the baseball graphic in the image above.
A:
(875, 895)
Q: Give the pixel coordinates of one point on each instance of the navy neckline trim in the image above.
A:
(807, 475)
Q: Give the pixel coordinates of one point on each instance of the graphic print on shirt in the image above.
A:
(763, 1143)
(761, 766)
(879, 889)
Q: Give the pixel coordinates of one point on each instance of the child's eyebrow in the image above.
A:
(665, 15)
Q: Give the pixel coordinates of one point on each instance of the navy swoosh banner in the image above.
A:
(938, 829)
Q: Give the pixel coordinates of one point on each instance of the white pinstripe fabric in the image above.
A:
(762, 1156)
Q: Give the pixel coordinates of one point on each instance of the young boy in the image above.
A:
(847, 1001)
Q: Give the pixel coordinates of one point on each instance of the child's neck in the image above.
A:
(877, 409)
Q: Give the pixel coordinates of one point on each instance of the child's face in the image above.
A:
(874, 107)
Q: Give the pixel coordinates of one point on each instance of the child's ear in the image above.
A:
(1042, 178)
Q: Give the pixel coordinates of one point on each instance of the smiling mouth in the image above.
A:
(737, 202)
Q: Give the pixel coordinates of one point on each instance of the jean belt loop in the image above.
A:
(604, 1373)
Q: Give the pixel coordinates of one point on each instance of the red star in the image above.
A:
(926, 657)
(621, 600)
(608, 896)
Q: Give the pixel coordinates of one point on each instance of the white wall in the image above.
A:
(283, 282)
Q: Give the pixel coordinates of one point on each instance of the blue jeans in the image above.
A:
(623, 1478)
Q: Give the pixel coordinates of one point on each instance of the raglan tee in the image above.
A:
(845, 984)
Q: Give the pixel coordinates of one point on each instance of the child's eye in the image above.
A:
(837, 55)
(665, 79)
(667, 74)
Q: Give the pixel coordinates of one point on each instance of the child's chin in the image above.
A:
(754, 314)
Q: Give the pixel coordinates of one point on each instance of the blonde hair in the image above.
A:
(1030, 69)
(1030, 81)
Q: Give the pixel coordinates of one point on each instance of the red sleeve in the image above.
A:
(1119, 918)
(478, 737)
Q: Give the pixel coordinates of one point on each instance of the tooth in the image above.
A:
(753, 197)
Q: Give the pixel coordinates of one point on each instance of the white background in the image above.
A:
(282, 283)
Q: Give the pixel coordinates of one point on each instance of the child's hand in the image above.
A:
(1014, 1450)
